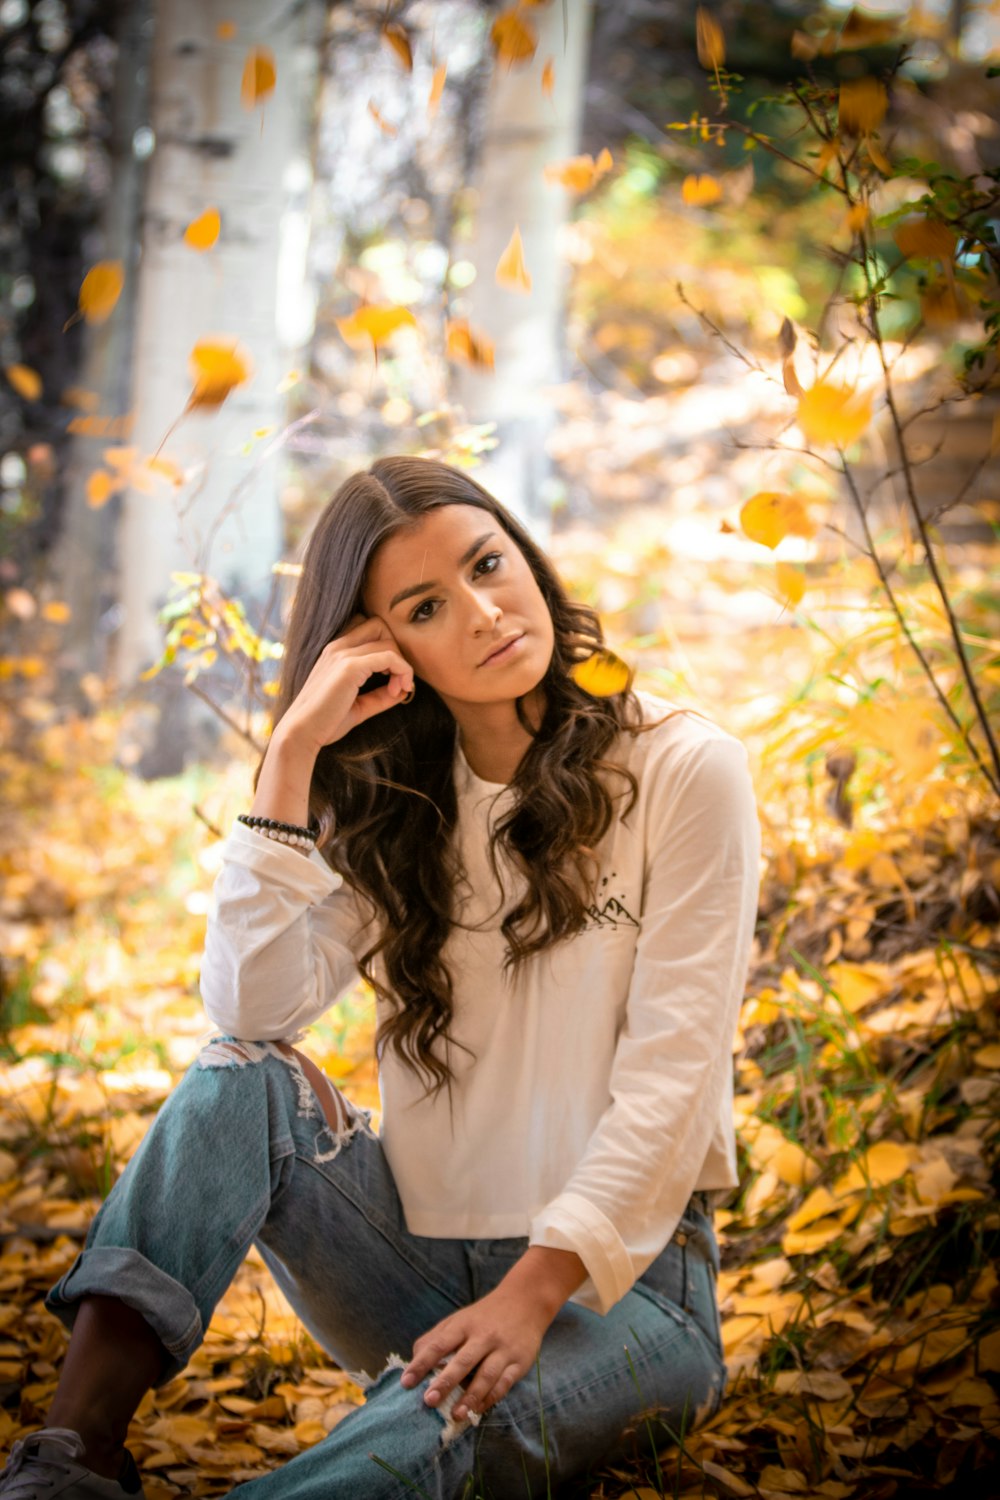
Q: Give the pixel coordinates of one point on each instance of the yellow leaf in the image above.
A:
(217, 367)
(26, 381)
(768, 517)
(514, 41)
(226, 31)
(579, 173)
(602, 675)
(856, 217)
(808, 1241)
(819, 1203)
(259, 77)
(988, 1056)
(56, 611)
(834, 413)
(856, 985)
(863, 103)
(698, 191)
(470, 346)
(437, 89)
(395, 37)
(882, 1164)
(511, 271)
(878, 156)
(383, 124)
(101, 288)
(548, 79)
(202, 232)
(375, 324)
(100, 487)
(791, 582)
(710, 41)
(792, 1165)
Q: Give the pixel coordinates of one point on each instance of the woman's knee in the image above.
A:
(234, 1052)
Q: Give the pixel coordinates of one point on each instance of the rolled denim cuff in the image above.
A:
(115, 1271)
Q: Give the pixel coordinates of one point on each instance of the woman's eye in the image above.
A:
(417, 618)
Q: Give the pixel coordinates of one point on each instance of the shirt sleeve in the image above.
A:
(282, 939)
(673, 1057)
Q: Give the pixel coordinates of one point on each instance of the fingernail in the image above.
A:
(407, 1378)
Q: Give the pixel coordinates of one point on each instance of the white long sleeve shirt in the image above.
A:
(599, 1095)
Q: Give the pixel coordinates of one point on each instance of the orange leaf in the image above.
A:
(259, 77)
(548, 78)
(437, 89)
(863, 103)
(76, 395)
(217, 366)
(710, 40)
(471, 347)
(926, 239)
(511, 271)
(768, 517)
(26, 381)
(791, 583)
(102, 286)
(100, 487)
(120, 459)
(602, 675)
(56, 611)
(395, 36)
(514, 41)
(202, 232)
(226, 31)
(833, 413)
(376, 324)
(579, 173)
(380, 120)
(856, 217)
(700, 191)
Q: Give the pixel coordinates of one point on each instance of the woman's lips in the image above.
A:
(503, 655)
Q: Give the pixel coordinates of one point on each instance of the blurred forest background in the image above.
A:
(709, 296)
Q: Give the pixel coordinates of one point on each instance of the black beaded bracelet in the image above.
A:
(281, 828)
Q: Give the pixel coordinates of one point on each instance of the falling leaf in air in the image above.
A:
(217, 367)
(100, 487)
(374, 325)
(99, 292)
(710, 40)
(514, 41)
(202, 232)
(226, 31)
(383, 124)
(769, 516)
(26, 381)
(579, 173)
(437, 89)
(699, 191)
(548, 78)
(602, 675)
(259, 77)
(833, 413)
(511, 271)
(397, 40)
(468, 345)
(56, 611)
(863, 103)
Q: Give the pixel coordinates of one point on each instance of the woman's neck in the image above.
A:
(494, 740)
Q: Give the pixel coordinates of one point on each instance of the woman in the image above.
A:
(553, 896)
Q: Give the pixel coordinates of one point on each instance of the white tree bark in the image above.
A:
(526, 130)
(212, 152)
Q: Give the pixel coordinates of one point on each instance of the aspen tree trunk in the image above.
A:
(210, 151)
(526, 130)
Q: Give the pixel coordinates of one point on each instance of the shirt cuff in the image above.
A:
(571, 1222)
(309, 876)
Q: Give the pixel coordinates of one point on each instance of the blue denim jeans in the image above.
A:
(241, 1154)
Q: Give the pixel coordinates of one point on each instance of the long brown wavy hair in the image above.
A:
(385, 794)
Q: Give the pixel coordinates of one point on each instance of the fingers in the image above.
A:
(497, 1372)
(493, 1381)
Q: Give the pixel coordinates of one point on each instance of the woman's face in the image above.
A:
(453, 589)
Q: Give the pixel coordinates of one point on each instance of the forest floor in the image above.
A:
(860, 1301)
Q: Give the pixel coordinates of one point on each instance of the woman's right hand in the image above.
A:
(330, 704)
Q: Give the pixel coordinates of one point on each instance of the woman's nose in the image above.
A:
(485, 611)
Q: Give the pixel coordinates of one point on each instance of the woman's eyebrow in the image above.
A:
(420, 588)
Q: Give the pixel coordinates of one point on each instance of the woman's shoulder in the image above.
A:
(671, 731)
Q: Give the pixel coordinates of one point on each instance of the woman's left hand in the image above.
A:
(501, 1334)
